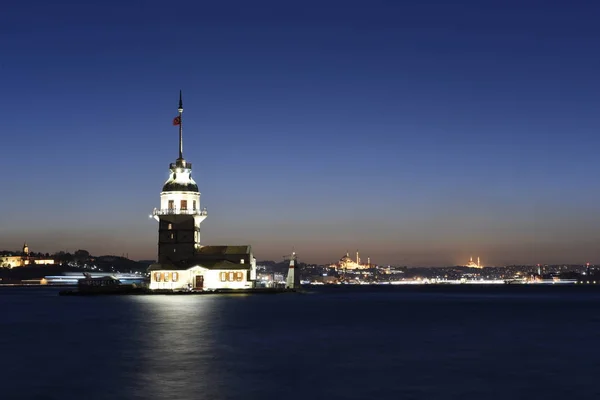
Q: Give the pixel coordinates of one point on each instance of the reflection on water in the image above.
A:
(329, 344)
(179, 346)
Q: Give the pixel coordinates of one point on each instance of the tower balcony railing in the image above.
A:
(179, 211)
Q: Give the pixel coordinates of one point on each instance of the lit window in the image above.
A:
(167, 276)
(174, 250)
(170, 227)
(175, 276)
(231, 277)
(223, 276)
(172, 236)
(239, 276)
(157, 276)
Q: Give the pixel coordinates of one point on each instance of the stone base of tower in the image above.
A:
(212, 268)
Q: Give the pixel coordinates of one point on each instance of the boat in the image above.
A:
(103, 285)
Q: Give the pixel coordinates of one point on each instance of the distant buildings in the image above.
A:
(472, 264)
(348, 264)
(23, 259)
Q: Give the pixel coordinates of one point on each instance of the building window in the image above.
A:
(172, 236)
(167, 277)
(196, 236)
(184, 204)
(170, 226)
(175, 276)
(231, 276)
(194, 205)
(157, 276)
(174, 250)
(171, 204)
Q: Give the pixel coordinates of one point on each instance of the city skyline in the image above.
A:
(420, 133)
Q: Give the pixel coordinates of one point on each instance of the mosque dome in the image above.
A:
(345, 259)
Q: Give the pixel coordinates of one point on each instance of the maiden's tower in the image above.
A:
(184, 263)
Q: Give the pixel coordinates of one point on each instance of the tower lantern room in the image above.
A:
(179, 215)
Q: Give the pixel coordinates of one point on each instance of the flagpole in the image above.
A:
(180, 109)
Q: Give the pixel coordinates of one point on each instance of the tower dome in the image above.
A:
(172, 186)
(180, 179)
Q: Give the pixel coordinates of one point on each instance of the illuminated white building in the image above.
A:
(472, 264)
(346, 263)
(183, 263)
(10, 261)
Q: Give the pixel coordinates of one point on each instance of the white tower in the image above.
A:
(179, 215)
(293, 280)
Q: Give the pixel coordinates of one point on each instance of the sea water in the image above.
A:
(329, 343)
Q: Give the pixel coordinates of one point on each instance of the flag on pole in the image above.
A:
(177, 120)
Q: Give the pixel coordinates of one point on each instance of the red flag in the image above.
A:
(177, 120)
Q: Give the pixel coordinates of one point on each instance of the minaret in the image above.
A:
(587, 269)
(179, 215)
(25, 256)
(478, 265)
(293, 280)
(357, 258)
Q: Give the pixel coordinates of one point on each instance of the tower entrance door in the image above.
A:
(199, 284)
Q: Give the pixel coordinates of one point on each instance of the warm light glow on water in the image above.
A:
(178, 345)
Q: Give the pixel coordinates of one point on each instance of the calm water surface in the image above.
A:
(350, 343)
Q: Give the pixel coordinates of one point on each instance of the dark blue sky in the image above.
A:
(419, 132)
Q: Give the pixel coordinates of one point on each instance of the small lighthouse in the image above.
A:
(293, 279)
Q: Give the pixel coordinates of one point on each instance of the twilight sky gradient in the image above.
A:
(420, 132)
